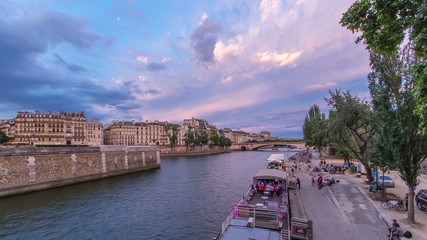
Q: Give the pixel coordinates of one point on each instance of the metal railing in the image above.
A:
(227, 221)
(301, 228)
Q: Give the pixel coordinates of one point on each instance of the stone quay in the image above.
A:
(31, 169)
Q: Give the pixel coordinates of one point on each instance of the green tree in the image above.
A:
(314, 122)
(399, 143)
(189, 138)
(224, 141)
(172, 131)
(384, 26)
(339, 138)
(204, 137)
(3, 138)
(354, 117)
(214, 138)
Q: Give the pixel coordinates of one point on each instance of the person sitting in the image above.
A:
(396, 232)
(393, 226)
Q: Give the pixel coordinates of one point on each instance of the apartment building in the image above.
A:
(8, 127)
(94, 133)
(133, 133)
(36, 128)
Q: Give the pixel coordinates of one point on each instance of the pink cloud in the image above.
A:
(318, 87)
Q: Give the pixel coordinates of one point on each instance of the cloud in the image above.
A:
(223, 51)
(227, 80)
(204, 39)
(165, 60)
(154, 67)
(28, 82)
(110, 41)
(71, 67)
(318, 87)
(269, 8)
(142, 59)
(153, 92)
(143, 79)
(275, 59)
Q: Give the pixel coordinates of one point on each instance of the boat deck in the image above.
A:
(263, 210)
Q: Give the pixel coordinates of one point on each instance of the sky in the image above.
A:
(253, 65)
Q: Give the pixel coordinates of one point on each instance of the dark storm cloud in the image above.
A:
(154, 67)
(72, 67)
(204, 39)
(28, 85)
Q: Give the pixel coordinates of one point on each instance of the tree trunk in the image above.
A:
(369, 175)
(411, 206)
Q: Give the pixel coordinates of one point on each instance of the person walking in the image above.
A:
(405, 201)
(298, 183)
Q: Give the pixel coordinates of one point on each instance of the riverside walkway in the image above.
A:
(340, 211)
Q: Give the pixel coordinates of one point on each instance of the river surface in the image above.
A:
(187, 198)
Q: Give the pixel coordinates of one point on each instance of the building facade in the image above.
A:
(94, 133)
(133, 133)
(36, 128)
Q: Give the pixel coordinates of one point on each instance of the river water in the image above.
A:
(187, 198)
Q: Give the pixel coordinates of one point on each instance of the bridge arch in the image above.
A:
(243, 148)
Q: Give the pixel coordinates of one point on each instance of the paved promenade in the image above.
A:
(340, 211)
(345, 210)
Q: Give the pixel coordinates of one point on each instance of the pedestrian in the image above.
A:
(405, 201)
(320, 182)
(313, 181)
(298, 183)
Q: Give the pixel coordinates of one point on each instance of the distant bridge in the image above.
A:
(256, 146)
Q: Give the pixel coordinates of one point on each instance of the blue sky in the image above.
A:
(247, 65)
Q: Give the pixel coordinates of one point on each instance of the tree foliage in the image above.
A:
(339, 138)
(3, 138)
(172, 131)
(398, 142)
(384, 26)
(353, 117)
(189, 137)
(313, 124)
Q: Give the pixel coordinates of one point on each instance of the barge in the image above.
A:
(261, 214)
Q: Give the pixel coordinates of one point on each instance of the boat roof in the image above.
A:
(276, 157)
(238, 230)
(271, 174)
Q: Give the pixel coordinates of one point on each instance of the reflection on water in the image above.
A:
(187, 198)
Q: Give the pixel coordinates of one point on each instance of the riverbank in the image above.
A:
(418, 229)
(192, 153)
(30, 169)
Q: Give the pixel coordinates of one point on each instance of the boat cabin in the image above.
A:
(276, 161)
(262, 213)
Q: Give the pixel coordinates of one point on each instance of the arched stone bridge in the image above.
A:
(256, 146)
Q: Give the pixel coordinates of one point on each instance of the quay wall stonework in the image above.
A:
(30, 169)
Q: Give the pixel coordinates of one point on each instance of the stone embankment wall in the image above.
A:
(30, 169)
(198, 150)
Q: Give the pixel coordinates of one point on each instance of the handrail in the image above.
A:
(227, 221)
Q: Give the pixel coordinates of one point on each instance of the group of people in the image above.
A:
(303, 154)
(321, 181)
(271, 187)
(324, 167)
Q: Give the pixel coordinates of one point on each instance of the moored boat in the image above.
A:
(276, 161)
(262, 213)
